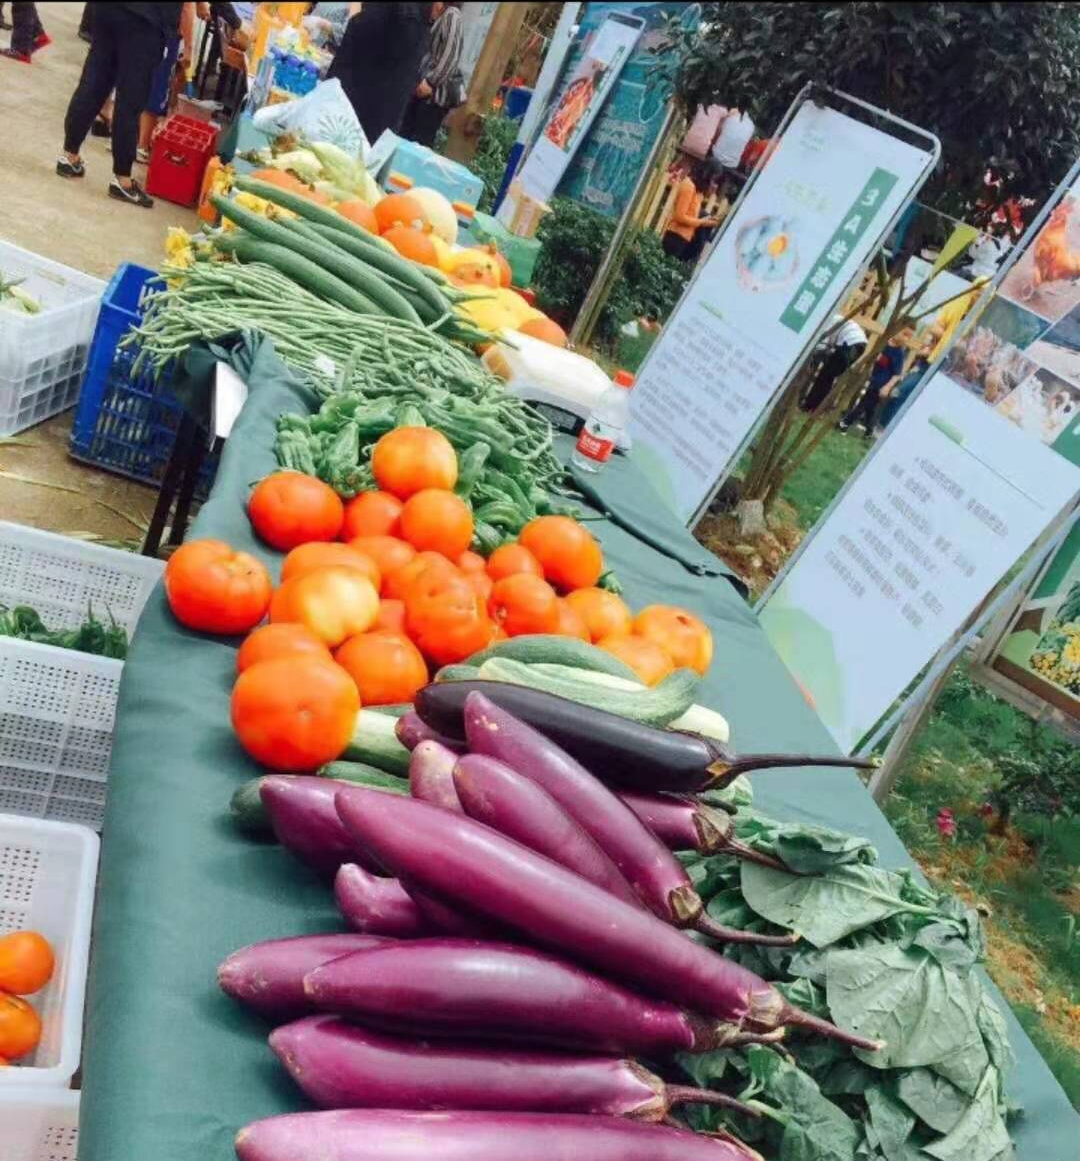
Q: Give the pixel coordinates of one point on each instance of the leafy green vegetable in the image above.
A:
(92, 636)
(890, 1126)
(980, 1134)
(810, 850)
(932, 1098)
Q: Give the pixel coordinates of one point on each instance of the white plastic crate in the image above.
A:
(39, 1124)
(43, 356)
(57, 707)
(47, 876)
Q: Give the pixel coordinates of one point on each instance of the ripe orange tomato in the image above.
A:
(26, 962)
(434, 520)
(214, 589)
(571, 623)
(294, 713)
(315, 554)
(567, 552)
(409, 459)
(445, 618)
(413, 244)
(481, 584)
(388, 552)
(285, 639)
(360, 213)
(511, 558)
(471, 562)
(371, 514)
(334, 603)
(524, 604)
(604, 614)
(391, 618)
(398, 209)
(20, 1027)
(387, 667)
(289, 508)
(645, 658)
(685, 638)
(398, 582)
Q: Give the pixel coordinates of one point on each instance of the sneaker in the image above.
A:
(101, 128)
(134, 195)
(142, 156)
(42, 40)
(11, 54)
(66, 168)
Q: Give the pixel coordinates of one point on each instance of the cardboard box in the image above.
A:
(399, 165)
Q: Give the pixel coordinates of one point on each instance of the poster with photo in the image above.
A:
(1046, 280)
(1043, 405)
(986, 362)
(1059, 347)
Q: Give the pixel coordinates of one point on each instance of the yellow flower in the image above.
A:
(178, 248)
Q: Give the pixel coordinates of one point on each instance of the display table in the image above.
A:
(172, 1068)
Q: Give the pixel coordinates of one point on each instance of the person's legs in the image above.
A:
(25, 28)
(143, 49)
(425, 122)
(92, 91)
(3, 23)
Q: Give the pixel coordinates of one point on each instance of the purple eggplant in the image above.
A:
(269, 976)
(377, 906)
(659, 879)
(411, 730)
(301, 810)
(395, 1135)
(493, 793)
(431, 775)
(484, 873)
(341, 1066)
(501, 991)
(628, 754)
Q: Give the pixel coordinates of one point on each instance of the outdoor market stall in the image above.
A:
(173, 1067)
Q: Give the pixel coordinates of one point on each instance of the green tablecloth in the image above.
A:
(171, 1067)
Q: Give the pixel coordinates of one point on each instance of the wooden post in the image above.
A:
(465, 124)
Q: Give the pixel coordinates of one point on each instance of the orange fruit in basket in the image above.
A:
(20, 1027)
(212, 588)
(289, 508)
(308, 557)
(512, 558)
(604, 614)
(645, 658)
(685, 638)
(524, 604)
(398, 210)
(568, 553)
(445, 618)
(388, 552)
(387, 667)
(391, 618)
(286, 639)
(401, 580)
(435, 520)
(360, 214)
(371, 514)
(571, 623)
(409, 459)
(26, 962)
(545, 329)
(413, 244)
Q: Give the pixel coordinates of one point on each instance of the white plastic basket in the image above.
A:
(43, 356)
(47, 876)
(39, 1124)
(57, 707)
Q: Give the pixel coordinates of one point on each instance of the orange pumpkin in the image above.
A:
(545, 329)
(413, 244)
(398, 210)
(474, 268)
(360, 214)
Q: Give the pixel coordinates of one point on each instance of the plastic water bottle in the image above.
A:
(605, 425)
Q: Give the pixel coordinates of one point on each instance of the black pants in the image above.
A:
(866, 408)
(676, 245)
(124, 51)
(25, 27)
(836, 363)
(422, 120)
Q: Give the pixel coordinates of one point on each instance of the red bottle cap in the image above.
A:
(624, 379)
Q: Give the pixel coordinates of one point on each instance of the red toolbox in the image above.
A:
(178, 159)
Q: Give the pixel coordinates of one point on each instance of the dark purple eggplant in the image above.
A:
(626, 753)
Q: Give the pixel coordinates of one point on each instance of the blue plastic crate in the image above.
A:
(127, 422)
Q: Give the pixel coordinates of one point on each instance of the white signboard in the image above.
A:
(568, 122)
(811, 220)
(955, 496)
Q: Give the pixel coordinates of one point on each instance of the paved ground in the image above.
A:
(76, 223)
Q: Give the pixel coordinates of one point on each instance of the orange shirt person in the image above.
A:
(685, 219)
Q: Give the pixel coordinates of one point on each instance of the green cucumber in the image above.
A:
(375, 743)
(699, 719)
(364, 775)
(458, 673)
(655, 706)
(247, 810)
(537, 648)
(398, 710)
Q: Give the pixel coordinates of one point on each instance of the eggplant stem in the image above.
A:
(740, 850)
(724, 771)
(773, 1037)
(718, 931)
(802, 1019)
(679, 1094)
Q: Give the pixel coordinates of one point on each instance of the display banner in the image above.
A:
(983, 459)
(802, 232)
(567, 124)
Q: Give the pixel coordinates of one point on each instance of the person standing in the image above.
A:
(888, 368)
(685, 219)
(379, 60)
(846, 344)
(127, 43)
(442, 85)
(27, 34)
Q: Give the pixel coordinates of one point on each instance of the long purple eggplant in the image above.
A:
(493, 793)
(683, 823)
(341, 1066)
(502, 991)
(395, 1135)
(431, 775)
(377, 906)
(411, 730)
(485, 873)
(625, 753)
(301, 810)
(269, 976)
(659, 879)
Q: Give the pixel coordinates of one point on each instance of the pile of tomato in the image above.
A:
(377, 593)
(26, 966)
